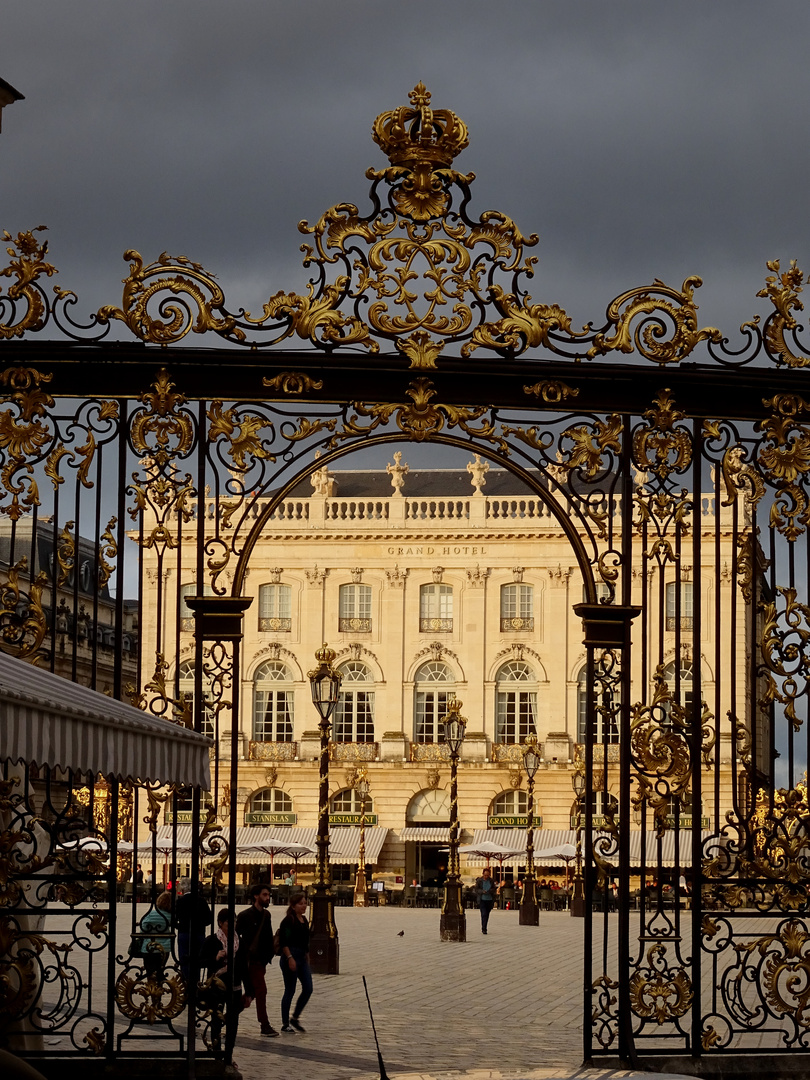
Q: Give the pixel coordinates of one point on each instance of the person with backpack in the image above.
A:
(254, 926)
(292, 945)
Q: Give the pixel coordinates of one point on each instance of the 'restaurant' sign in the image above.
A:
(351, 819)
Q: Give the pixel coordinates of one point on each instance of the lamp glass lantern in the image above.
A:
(531, 757)
(455, 726)
(324, 683)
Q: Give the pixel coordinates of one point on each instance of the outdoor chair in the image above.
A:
(546, 900)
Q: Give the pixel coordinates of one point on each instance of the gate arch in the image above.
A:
(662, 472)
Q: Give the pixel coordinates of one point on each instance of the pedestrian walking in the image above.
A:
(293, 936)
(219, 994)
(486, 891)
(255, 929)
(193, 917)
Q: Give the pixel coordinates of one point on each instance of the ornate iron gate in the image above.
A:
(676, 463)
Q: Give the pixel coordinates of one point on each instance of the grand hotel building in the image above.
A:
(429, 584)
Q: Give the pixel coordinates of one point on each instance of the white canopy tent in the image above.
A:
(48, 720)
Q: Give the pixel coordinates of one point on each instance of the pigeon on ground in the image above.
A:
(401, 933)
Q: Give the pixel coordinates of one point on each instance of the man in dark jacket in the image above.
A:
(255, 929)
(192, 915)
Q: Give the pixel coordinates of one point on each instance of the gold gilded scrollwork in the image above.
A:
(552, 391)
(161, 427)
(650, 336)
(23, 436)
(178, 710)
(784, 646)
(293, 382)
(151, 988)
(523, 325)
(27, 265)
(660, 446)
(590, 444)
(318, 314)
(242, 433)
(23, 625)
(659, 743)
(179, 276)
(659, 992)
(95, 1040)
(420, 419)
(785, 461)
(783, 289)
(108, 549)
(65, 553)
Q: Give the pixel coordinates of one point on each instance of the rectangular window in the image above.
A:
(273, 719)
(679, 615)
(515, 715)
(517, 607)
(431, 708)
(436, 609)
(354, 717)
(355, 609)
(275, 608)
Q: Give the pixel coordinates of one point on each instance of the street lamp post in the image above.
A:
(529, 915)
(361, 786)
(578, 899)
(324, 950)
(453, 923)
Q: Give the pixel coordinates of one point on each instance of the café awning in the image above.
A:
(49, 720)
(544, 839)
(344, 842)
(427, 833)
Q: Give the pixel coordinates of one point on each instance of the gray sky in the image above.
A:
(639, 139)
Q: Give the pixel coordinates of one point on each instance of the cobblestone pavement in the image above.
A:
(510, 1000)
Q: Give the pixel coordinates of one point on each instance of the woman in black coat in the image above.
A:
(293, 935)
(217, 993)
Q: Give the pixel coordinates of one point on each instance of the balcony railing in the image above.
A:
(279, 625)
(516, 623)
(272, 751)
(353, 751)
(683, 623)
(436, 626)
(430, 752)
(510, 752)
(354, 626)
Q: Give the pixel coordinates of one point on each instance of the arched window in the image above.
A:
(270, 801)
(608, 704)
(353, 718)
(349, 802)
(272, 703)
(354, 614)
(433, 694)
(679, 683)
(429, 807)
(275, 608)
(436, 609)
(511, 804)
(185, 691)
(679, 605)
(517, 607)
(515, 702)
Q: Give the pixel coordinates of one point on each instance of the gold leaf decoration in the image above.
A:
(782, 288)
(241, 431)
(27, 266)
(293, 382)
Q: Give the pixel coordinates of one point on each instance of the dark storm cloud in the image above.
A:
(638, 139)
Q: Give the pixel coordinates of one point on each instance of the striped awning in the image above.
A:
(434, 833)
(49, 720)
(548, 838)
(344, 842)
